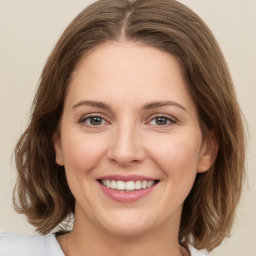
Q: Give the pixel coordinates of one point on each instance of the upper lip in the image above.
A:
(125, 177)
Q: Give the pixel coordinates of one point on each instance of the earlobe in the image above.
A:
(56, 140)
(208, 153)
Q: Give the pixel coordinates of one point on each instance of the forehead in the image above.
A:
(115, 70)
(128, 56)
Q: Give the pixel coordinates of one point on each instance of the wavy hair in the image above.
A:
(42, 192)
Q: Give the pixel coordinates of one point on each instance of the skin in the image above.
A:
(127, 76)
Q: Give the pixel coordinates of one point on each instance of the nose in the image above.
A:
(126, 148)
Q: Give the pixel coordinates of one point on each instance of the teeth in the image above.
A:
(144, 184)
(150, 183)
(108, 184)
(113, 184)
(129, 185)
(120, 185)
(137, 184)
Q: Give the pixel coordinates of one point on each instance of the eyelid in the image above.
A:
(85, 117)
(168, 117)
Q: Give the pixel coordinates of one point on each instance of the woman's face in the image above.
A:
(130, 140)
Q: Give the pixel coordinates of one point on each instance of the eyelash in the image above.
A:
(167, 118)
(90, 117)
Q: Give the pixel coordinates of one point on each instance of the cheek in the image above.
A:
(178, 156)
(81, 152)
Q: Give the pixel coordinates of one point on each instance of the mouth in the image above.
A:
(127, 188)
(128, 185)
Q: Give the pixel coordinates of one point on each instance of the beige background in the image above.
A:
(29, 30)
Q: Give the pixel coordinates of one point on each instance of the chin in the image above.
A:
(129, 223)
(127, 231)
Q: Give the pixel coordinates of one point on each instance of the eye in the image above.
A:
(94, 121)
(162, 121)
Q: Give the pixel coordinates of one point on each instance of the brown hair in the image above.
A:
(208, 212)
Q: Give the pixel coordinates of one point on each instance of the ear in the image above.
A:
(208, 152)
(56, 140)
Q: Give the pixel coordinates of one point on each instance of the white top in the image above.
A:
(25, 245)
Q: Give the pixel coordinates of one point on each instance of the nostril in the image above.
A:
(126, 149)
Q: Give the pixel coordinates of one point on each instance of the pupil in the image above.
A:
(96, 120)
(161, 121)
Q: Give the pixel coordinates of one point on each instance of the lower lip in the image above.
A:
(126, 196)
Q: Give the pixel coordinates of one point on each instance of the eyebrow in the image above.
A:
(148, 106)
(158, 104)
(97, 104)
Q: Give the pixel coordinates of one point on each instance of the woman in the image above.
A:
(136, 132)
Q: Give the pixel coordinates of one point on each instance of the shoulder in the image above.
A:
(195, 252)
(28, 245)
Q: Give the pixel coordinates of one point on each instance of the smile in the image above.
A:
(128, 185)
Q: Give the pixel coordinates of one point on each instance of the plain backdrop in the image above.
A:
(28, 31)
